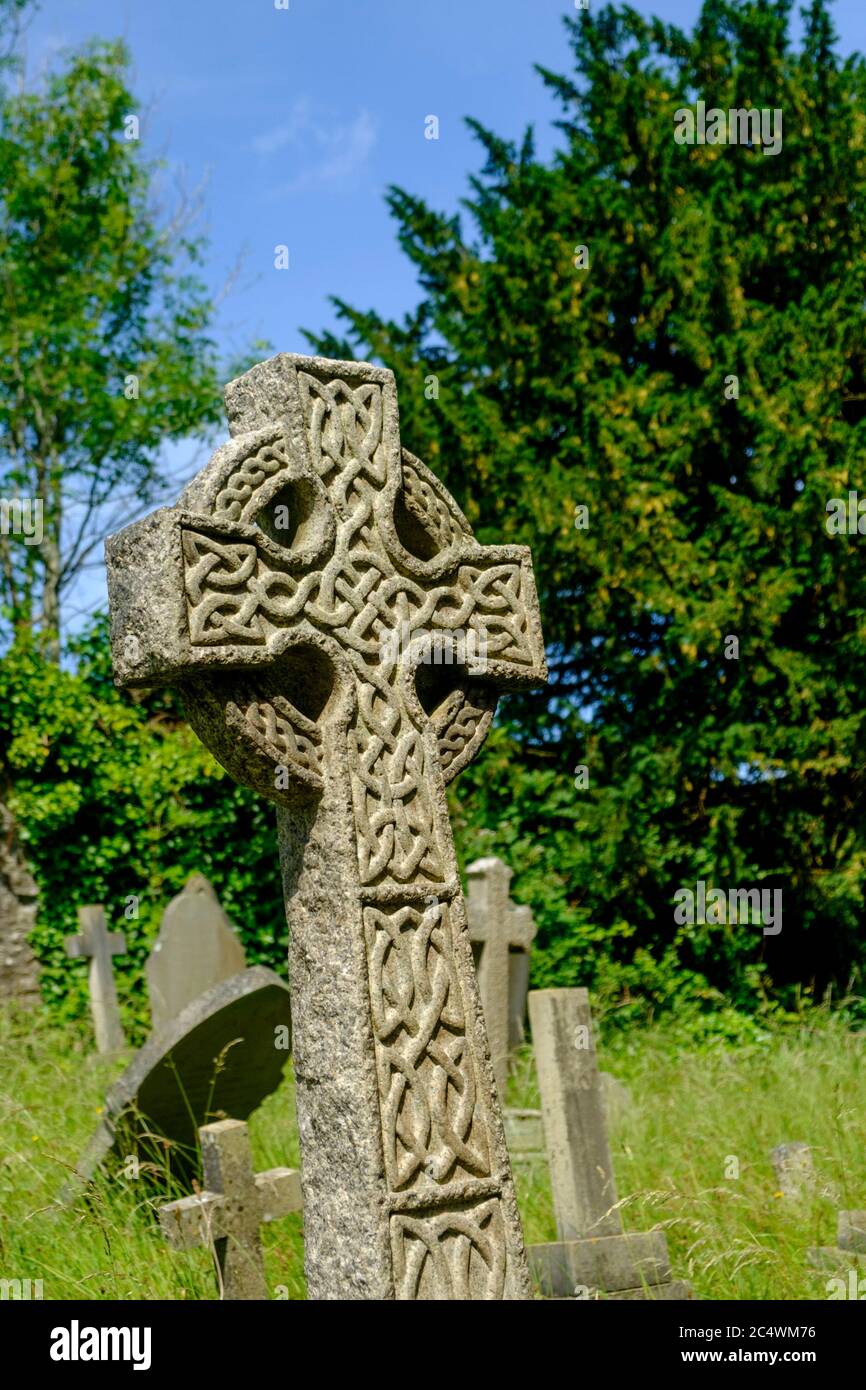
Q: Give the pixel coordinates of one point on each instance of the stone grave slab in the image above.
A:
(592, 1253)
(852, 1231)
(794, 1169)
(850, 1248)
(19, 894)
(609, 1263)
(220, 1058)
(616, 1098)
(524, 1134)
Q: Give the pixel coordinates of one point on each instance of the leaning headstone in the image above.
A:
(227, 1215)
(501, 933)
(98, 945)
(196, 948)
(794, 1169)
(592, 1255)
(218, 1059)
(284, 594)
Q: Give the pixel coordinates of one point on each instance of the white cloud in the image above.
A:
(300, 120)
(331, 153)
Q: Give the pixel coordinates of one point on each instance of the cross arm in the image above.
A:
(279, 1192)
(79, 946)
(208, 605)
(500, 587)
(521, 927)
(198, 1220)
(192, 1221)
(156, 636)
(91, 920)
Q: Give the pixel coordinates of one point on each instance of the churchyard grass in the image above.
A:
(699, 1112)
(109, 1246)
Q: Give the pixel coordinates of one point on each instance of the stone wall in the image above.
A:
(19, 971)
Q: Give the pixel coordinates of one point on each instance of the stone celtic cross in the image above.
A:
(271, 595)
(504, 931)
(235, 1203)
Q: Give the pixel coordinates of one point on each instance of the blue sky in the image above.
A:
(299, 119)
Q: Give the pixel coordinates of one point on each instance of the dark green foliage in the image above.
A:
(119, 800)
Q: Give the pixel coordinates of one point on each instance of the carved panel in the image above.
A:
(450, 1254)
(434, 1129)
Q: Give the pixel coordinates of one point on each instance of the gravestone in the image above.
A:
(592, 1254)
(219, 1058)
(616, 1098)
(524, 1135)
(850, 1248)
(501, 933)
(98, 945)
(794, 1169)
(227, 1215)
(196, 948)
(283, 595)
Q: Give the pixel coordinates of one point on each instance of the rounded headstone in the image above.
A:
(195, 949)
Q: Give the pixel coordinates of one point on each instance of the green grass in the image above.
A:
(695, 1110)
(107, 1246)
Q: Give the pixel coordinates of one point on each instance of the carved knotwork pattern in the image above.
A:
(237, 595)
(426, 1067)
(344, 430)
(424, 502)
(233, 596)
(248, 477)
(394, 811)
(451, 1254)
(292, 738)
(457, 724)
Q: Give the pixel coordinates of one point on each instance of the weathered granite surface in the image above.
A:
(273, 595)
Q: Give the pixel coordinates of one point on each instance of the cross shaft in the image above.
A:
(97, 944)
